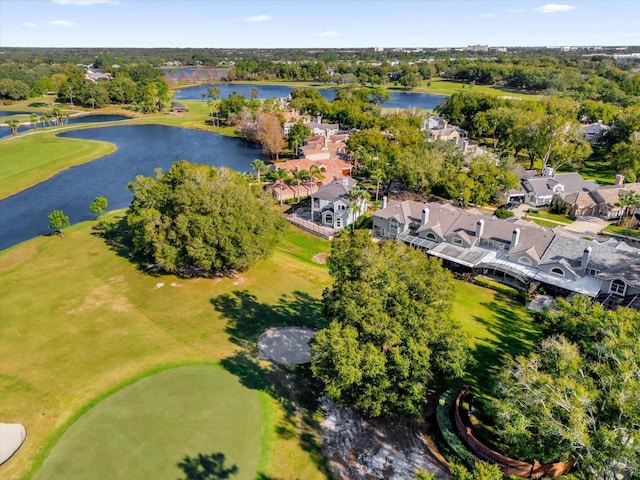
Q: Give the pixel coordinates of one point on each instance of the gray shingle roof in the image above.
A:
(336, 189)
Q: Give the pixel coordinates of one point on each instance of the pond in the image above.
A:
(6, 131)
(4, 113)
(426, 101)
(141, 149)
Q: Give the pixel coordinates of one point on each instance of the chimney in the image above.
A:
(548, 172)
(479, 228)
(445, 124)
(585, 257)
(384, 202)
(326, 140)
(619, 179)
(515, 238)
(425, 215)
(319, 118)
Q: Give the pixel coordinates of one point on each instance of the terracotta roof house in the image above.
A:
(330, 204)
(514, 252)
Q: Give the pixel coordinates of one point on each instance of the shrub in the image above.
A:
(503, 213)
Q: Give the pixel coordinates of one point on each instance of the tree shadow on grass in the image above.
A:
(247, 318)
(117, 237)
(206, 467)
(292, 386)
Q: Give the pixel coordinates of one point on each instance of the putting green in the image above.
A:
(147, 428)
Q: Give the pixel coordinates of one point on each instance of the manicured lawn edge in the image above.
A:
(50, 442)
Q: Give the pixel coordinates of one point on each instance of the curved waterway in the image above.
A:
(141, 149)
(6, 131)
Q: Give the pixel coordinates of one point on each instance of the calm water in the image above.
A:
(141, 149)
(400, 100)
(6, 131)
(8, 114)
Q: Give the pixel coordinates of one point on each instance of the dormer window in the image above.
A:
(618, 287)
(525, 261)
(431, 236)
(456, 241)
(557, 271)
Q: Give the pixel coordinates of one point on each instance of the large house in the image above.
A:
(331, 205)
(515, 252)
(540, 190)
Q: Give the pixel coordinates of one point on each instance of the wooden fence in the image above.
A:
(508, 465)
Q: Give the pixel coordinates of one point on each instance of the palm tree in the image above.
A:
(378, 176)
(357, 197)
(34, 120)
(630, 202)
(212, 94)
(254, 93)
(258, 165)
(13, 125)
(300, 176)
(314, 174)
(280, 176)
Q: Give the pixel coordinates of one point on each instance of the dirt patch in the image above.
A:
(320, 258)
(357, 448)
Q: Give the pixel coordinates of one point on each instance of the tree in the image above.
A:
(259, 166)
(270, 134)
(13, 125)
(357, 202)
(213, 93)
(98, 206)
(300, 175)
(280, 177)
(481, 471)
(576, 398)
(57, 222)
(630, 202)
(298, 133)
(199, 220)
(391, 336)
(254, 93)
(34, 118)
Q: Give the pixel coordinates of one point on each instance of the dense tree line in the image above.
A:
(576, 398)
(201, 220)
(391, 337)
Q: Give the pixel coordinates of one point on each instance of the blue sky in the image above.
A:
(316, 23)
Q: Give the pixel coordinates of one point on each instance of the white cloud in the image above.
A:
(61, 23)
(257, 18)
(487, 15)
(554, 8)
(28, 25)
(328, 33)
(84, 3)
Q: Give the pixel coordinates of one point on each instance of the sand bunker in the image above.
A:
(286, 345)
(12, 436)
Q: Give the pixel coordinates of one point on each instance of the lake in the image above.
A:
(402, 100)
(6, 131)
(141, 149)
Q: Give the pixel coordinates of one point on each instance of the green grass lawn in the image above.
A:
(152, 425)
(622, 231)
(498, 326)
(554, 217)
(79, 320)
(28, 160)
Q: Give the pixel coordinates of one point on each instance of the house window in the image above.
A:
(316, 203)
(338, 223)
(328, 220)
(557, 271)
(525, 261)
(618, 287)
(457, 241)
(342, 207)
(592, 271)
(431, 236)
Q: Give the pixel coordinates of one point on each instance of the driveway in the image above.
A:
(588, 225)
